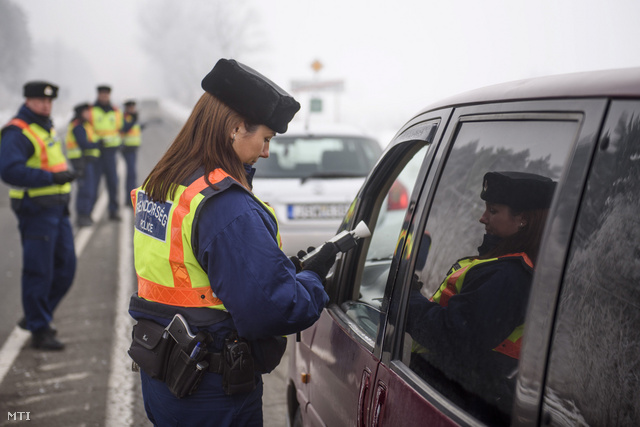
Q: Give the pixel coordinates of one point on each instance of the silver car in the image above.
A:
(311, 177)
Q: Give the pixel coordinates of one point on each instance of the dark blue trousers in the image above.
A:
(130, 155)
(88, 187)
(208, 406)
(108, 161)
(48, 258)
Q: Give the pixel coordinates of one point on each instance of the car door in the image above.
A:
(592, 375)
(341, 351)
(551, 138)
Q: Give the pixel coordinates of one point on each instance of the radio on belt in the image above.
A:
(343, 241)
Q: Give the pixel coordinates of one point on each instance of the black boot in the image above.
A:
(44, 339)
(22, 323)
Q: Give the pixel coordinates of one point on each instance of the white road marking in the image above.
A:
(120, 387)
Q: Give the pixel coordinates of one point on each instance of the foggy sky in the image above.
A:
(394, 57)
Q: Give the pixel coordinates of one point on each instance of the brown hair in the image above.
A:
(203, 142)
(526, 240)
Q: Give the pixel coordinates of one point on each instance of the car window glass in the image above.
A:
(463, 337)
(593, 376)
(309, 156)
(365, 309)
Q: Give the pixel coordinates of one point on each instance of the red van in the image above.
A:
(579, 361)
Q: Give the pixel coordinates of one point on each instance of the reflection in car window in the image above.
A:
(385, 233)
(308, 156)
(594, 368)
(469, 294)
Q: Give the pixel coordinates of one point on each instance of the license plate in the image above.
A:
(317, 211)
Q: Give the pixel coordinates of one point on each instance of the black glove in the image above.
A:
(100, 143)
(63, 177)
(296, 259)
(321, 262)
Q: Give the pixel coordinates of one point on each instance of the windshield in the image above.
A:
(328, 156)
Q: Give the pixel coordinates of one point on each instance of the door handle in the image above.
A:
(365, 385)
(378, 405)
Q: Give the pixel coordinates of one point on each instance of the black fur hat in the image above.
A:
(520, 191)
(251, 94)
(40, 89)
(104, 88)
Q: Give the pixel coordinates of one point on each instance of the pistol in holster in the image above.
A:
(180, 358)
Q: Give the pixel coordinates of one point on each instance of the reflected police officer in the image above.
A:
(471, 328)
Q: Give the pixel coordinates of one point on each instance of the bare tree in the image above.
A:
(15, 45)
(184, 39)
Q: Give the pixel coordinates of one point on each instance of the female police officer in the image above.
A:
(205, 247)
(470, 330)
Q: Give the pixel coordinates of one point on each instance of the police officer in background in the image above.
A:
(131, 139)
(83, 151)
(106, 120)
(32, 162)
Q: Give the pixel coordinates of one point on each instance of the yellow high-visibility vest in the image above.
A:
(107, 125)
(74, 151)
(452, 285)
(167, 269)
(132, 138)
(47, 155)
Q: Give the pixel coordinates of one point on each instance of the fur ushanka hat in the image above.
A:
(40, 89)
(520, 191)
(251, 94)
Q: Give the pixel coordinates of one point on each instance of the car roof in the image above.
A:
(618, 83)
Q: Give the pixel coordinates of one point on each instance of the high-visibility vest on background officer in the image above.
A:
(32, 162)
(107, 123)
(131, 139)
(83, 151)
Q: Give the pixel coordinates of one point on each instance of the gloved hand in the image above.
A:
(296, 259)
(63, 177)
(321, 262)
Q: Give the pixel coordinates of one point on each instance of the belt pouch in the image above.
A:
(238, 375)
(150, 348)
(184, 375)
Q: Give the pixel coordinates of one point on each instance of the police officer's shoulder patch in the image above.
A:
(152, 217)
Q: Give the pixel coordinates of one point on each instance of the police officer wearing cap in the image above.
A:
(470, 330)
(207, 248)
(106, 120)
(32, 162)
(83, 151)
(131, 139)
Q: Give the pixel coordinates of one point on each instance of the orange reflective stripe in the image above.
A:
(44, 159)
(183, 297)
(524, 256)
(134, 197)
(451, 290)
(510, 348)
(181, 277)
(182, 293)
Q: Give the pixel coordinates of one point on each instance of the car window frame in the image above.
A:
(590, 113)
(348, 267)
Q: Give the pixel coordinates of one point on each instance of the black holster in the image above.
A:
(156, 351)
